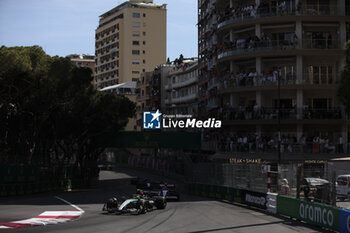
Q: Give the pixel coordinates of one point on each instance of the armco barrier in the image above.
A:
(313, 213)
(344, 221)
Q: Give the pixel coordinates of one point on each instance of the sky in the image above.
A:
(64, 27)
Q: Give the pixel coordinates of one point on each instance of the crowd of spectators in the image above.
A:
(264, 113)
(255, 143)
(265, 8)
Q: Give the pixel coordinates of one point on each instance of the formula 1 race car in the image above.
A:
(167, 190)
(135, 205)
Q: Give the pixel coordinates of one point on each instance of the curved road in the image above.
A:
(192, 214)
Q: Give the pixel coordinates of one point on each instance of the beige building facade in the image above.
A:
(84, 60)
(129, 91)
(130, 40)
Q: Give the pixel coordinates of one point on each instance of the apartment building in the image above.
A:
(181, 89)
(84, 60)
(128, 90)
(130, 40)
(270, 70)
(150, 91)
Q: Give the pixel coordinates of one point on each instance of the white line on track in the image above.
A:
(67, 202)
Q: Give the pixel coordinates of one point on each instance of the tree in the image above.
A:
(51, 113)
(344, 87)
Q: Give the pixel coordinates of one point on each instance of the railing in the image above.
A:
(257, 81)
(213, 82)
(321, 44)
(264, 113)
(330, 113)
(273, 12)
(268, 143)
(185, 98)
(319, 10)
(245, 46)
(319, 79)
(212, 104)
(185, 82)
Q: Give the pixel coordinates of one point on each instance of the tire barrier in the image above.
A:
(313, 213)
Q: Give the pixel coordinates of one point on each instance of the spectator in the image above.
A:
(285, 189)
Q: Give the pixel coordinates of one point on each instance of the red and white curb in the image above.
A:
(47, 218)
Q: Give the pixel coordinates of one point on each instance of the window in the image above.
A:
(136, 34)
(143, 70)
(135, 61)
(144, 61)
(136, 15)
(136, 52)
(143, 51)
(135, 42)
(136, 24)
(144, 42)
(144, 14)
(144, 33)
(134, 79)
(135, 72)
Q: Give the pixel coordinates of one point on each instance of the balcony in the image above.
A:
(242, 46)
(185, 83)
(306, 10)
(264, 113)
(256, 81)
(319, 79)
(321, 44)
(213, 82)
(212, 104)
(184, 99)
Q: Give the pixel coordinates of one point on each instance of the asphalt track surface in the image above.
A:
(191, 214)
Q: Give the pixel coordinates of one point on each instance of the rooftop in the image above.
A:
(133, 3)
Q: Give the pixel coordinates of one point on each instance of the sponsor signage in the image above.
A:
(344, 221)
(316, 214)
(313, 213)
(254, 199)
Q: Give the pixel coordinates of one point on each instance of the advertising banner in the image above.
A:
(313, 213)
(344, 221)
(254, 198)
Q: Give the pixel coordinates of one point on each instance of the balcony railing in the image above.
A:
(257, 81)
(185, 98)
(319, 79)
(321, 44)
(262, 113)
(273, 12)
(269, 145)
(185, 82)
(245, 46)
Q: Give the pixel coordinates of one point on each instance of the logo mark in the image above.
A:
(151, 120)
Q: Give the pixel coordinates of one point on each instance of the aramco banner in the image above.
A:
(313, 213)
